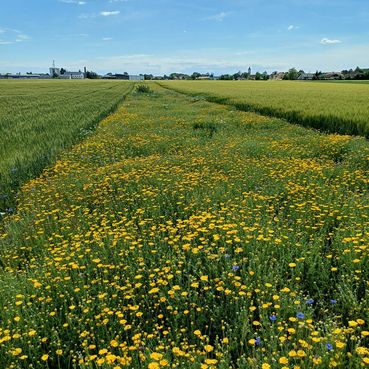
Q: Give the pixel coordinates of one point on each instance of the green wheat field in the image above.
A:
(148, 228)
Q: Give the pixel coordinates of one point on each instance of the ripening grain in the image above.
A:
(333, 107)
(38, 119)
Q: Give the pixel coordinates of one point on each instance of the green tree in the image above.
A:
(195, 75)
(265, 76)
(293, 74)
(91, 75)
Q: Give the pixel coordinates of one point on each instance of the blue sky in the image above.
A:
(163, 36)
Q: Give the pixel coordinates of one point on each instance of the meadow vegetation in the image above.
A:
(185, 234)
(38, 119)
(333, 107)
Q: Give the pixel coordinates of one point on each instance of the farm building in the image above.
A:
(124, 76)
(72, 75)
(277, 76)
(139, 77)
(332, 75)
(24, 76)
(306, 77)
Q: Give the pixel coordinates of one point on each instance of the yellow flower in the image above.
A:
(211, 361)
(156, 356)
(153, 365)
(209, 348)
(44, 357)
(59, 352)
(17, 351)
(283, 360)
(110, 358)
(265, 366)
(340, 344)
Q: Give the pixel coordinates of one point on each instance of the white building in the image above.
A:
(136, 77)
(54, 72)
(72, 75)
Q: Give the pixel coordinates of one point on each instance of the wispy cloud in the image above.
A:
(180, 63)
(327, 41)
(73, 2)
(291, 27)
(219, 17)
(11, 36)
(110, 13)
(126, 17)
(22, 37)
(87, 15)
(107, 38)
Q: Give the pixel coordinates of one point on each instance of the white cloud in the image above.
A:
(21, 37)
(107, 38)
(73, 2)
(291, 27)
(327, 41)
(108, 14)
(219, 17)
(10, 36)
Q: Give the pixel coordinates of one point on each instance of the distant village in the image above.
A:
(61, 73)
(293, 74)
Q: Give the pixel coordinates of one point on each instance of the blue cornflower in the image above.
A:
(333, 301)
(310, 301)
(300, 315)
(257, 341)
(273, 318)
(329, 347)
(235, 267)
